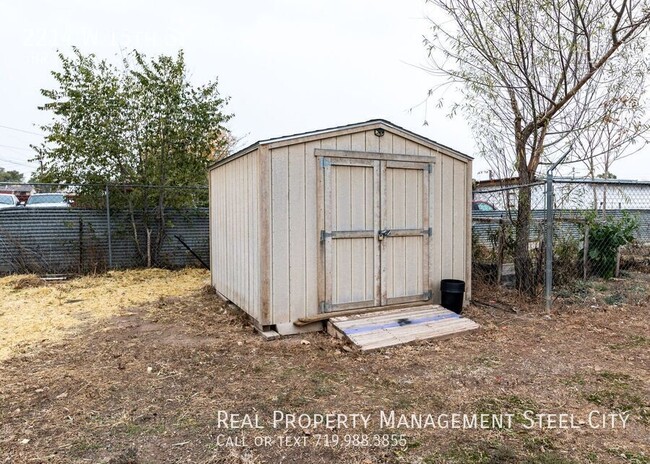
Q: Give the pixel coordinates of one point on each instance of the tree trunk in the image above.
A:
(524, 272)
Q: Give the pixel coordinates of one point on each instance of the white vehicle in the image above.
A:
(47, 200)
(7, 200)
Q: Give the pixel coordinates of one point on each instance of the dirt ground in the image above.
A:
(146, 384)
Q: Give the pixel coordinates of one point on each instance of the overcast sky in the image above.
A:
(288, 66)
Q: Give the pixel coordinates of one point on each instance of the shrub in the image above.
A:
(606, 235)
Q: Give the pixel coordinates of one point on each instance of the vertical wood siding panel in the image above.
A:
(385, 143)
(328, 143)
(238, 262)
(358, 222)
(280, 235)
(410, 148)
(223, 232)
(413, 219)
(459, 215)
(365, 250)
(424, 151)
(343, 222)
(435, 208)
(265, 247)
(213, 212)
(249, 230)
(312, 230)
(257, 180)
(297, 214)
(468, 232)
(249, 233)
(345, 248)
(229, 235)
(358, 141)
(372, 142)
(399, 145)
(369, 221)
(344, 142)
(387, 221)
(447, 205)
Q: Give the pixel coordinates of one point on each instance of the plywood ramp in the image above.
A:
(395, 327)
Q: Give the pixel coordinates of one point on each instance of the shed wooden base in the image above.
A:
(389, 328)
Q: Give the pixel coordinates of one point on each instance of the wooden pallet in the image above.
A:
(395, 327)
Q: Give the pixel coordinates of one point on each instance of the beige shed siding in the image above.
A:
(234, 232)
(295, 237)
(451, 203)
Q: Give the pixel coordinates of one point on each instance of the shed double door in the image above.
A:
(377, 232)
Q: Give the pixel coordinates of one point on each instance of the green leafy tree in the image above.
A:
(533, 76)
(11, 176)
(141, 124)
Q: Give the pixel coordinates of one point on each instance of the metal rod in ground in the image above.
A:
(548, 278)
(192, 251)
(108, 229)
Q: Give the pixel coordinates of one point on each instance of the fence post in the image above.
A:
(585, 253)
(108, 229)
(548, 279)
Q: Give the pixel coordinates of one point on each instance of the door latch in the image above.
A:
(383, 233)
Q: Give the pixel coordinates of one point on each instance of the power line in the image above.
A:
(15, 148)
(14, 162)
(20, 130)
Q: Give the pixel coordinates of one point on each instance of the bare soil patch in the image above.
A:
(145, 384)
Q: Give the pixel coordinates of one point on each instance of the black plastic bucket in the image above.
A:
(452, 291)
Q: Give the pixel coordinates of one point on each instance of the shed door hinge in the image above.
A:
(324, 306)
(429, 168)
(428, 295)
(325, 162)
(324, 235)
(429, 231)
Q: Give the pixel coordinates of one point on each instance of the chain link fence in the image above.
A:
(85, 228)
(600, 230)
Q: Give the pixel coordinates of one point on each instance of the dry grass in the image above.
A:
(38, 311)
(145, 386)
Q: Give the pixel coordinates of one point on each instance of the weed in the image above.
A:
(542, 443)
(614, 299)
(490, 361)
(547, 458)
(403, 403)
(616, 400)
(575, 379)
(483, 453)
(509, 404)
(82, 446)
(632, 458)
(128, 457)
(634, 341)
(615, 377)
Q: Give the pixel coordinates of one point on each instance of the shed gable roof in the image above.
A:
(302, 137)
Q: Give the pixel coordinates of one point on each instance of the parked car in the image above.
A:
(479, 205)
(47, 200)
(7, 200)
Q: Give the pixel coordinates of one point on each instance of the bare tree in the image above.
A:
(532, 74)
(621, 131)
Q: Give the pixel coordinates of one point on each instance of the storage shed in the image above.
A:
(360, 216)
